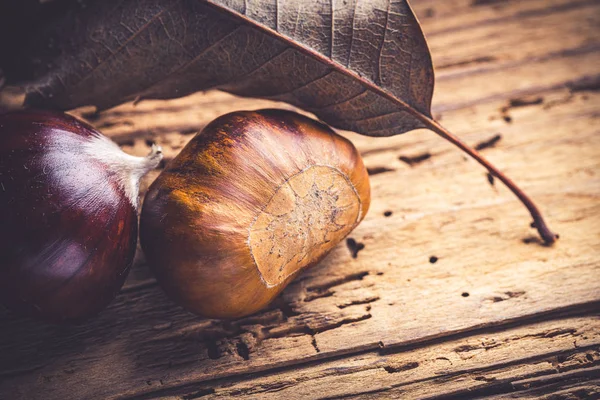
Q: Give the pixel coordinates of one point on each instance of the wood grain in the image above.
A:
(448, 261)
(502, 360)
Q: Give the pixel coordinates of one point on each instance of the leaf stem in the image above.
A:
(547, 235)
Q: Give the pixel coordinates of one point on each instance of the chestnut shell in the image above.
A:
(67, 231)
(249, 203)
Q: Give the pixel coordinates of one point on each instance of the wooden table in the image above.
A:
(452, 295)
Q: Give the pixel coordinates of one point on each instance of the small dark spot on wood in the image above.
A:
(484, 379)
(354, 247)
(465, 294)
(471, 61)
(319, 295)
(507, 118)
(589, 357)
(429, 13)
(565, 100)
(313, 341)
(412, 161)
(387, 214)
(561, 358)
(445, 359)
(110, 124)
(486, 144)
(381, 345)
(188, 131)
(465, 348)
(242, 350)
(359, 276)
(286, 309)
(486, 2)
(379, 170)
(368, 300)
(433, 259)
(490, 178)
(525, 101)
(149, 142)
(213, 350)
(531, 239)
(198, 394)
(379, 273)
(514, 294)
(533, 225)
(559, 332)
(585, 84)
(404, 367)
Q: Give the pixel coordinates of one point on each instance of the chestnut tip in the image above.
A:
(155, 156)
(156, 149)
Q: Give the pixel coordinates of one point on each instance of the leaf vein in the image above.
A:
(332, 29)
(190, 62)
(378, 78)
(305, 84)
(124, 45)
(344, 101)
(352, 34)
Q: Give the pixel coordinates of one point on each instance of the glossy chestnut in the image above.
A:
(68, 219)
(249, 203)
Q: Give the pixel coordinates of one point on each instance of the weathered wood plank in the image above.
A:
(485, 274)
(506, 361)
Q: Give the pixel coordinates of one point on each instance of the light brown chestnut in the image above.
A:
(249, 203)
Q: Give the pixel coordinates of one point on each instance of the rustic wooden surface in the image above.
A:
(452, 295)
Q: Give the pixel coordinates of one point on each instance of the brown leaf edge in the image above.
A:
(546, 234)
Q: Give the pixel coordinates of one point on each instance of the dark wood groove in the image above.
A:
(565, 53)
(576, 310)
(515, 17)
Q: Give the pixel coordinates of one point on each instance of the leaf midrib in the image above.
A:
(424, 118)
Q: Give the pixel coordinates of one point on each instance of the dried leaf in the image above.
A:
(358, 65)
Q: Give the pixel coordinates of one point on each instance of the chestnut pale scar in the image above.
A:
(308, 214)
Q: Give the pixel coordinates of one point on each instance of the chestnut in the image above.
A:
(249, 203)
(68, 219)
